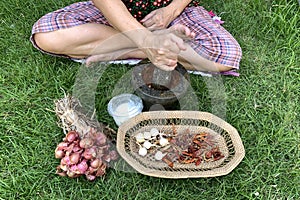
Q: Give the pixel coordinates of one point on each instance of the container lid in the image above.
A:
(125, 105)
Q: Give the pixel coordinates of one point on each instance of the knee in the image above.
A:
(222, 68)
(48, 42)
(230, 59)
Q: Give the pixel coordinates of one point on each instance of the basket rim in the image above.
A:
(224, 170)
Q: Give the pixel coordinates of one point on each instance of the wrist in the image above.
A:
(178, 6)
(175, 10)
(139, 36)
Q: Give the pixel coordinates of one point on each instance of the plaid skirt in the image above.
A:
(212, 41)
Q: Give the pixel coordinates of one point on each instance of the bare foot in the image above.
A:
(182, 31)
(116, 55)
(179, 30)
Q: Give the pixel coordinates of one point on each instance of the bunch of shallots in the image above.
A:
(87, 156)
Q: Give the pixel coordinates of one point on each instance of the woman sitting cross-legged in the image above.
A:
(164, 31)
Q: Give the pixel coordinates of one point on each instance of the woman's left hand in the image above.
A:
(158, 19)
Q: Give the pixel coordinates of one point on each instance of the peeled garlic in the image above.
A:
(147, 135)
(163, 141)
(147, 144)
(140, 137)
(159, 155)
(142, 151)
(154, 132)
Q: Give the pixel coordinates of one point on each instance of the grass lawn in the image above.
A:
(262, 103)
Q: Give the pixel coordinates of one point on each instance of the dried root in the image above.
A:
(68, 110)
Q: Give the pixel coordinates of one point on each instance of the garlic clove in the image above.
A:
(140, 137)
(147, 135)
(161, 134)
(163, 142)
(142, 151)
(159, 155)
(154, 132)
(147, 144)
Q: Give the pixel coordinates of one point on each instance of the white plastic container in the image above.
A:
(124, 107)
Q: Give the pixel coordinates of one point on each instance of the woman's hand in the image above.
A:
(163, 49)
(158, 19)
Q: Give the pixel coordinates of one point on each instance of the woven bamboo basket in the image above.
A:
(226, 137)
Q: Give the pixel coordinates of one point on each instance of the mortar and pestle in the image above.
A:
(159, 89)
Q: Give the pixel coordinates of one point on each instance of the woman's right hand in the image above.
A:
(162, 49)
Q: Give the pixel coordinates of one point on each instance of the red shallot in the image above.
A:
(86, 143)
(71, 136)
(89, 156)
(59, 153)
(85, 149)
(74, 158)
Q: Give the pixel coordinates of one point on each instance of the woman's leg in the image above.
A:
(78, 31)
(193, 61)
(213, 48)
(83, 40)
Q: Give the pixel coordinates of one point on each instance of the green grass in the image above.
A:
(263, 104)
